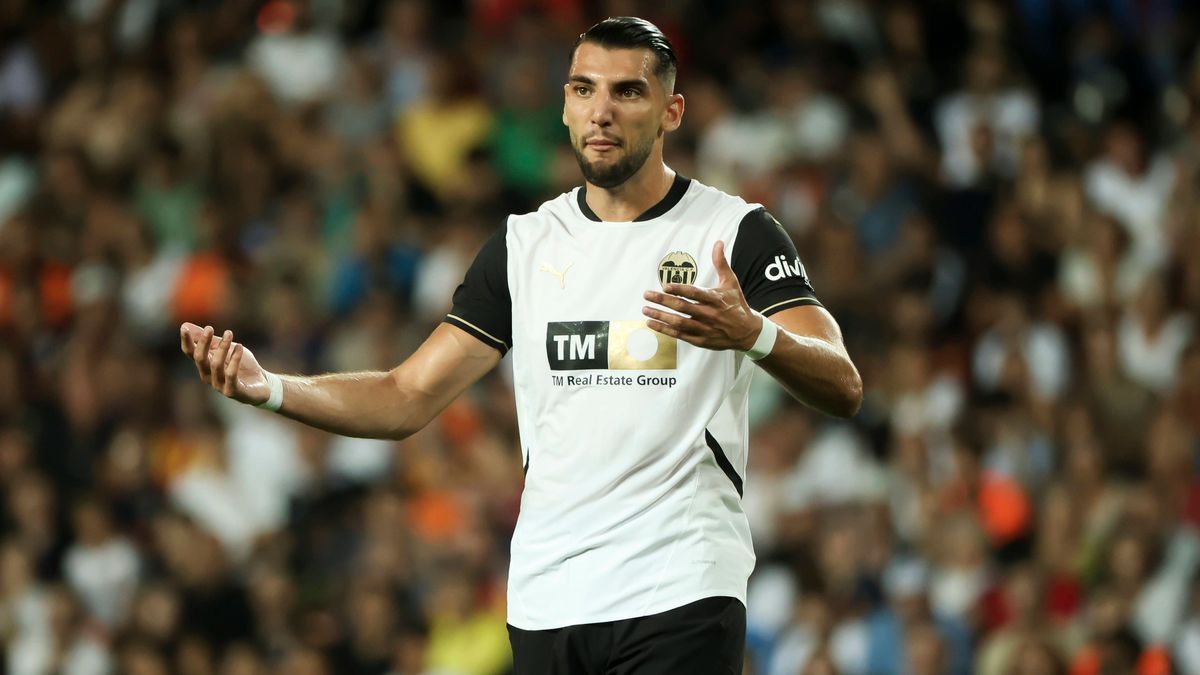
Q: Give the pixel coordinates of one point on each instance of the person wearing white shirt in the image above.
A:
(637, 308)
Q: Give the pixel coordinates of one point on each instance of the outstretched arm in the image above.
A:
(808, 358)
(392, 404)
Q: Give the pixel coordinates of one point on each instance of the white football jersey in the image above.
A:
(634, 443)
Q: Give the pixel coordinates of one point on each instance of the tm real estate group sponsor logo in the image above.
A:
(608, 345)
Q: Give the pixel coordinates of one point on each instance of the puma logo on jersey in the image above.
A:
(781, 268)
(562, 276)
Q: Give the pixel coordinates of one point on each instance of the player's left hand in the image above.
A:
(715, 318)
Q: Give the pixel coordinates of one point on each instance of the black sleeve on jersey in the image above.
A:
(768, 267)
(482, 304)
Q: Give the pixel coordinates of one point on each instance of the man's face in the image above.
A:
(615, 110)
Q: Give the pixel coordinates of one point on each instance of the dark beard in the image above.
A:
(616, 174)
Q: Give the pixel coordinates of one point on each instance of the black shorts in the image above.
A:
(706, 637)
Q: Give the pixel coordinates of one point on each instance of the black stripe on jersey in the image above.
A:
(477, 333)
(766, 263)
(482, 303)
(723, 462)
(787, 304)
(678, 188)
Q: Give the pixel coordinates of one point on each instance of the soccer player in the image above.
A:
(634, 307)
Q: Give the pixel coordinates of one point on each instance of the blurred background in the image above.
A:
(997, 200)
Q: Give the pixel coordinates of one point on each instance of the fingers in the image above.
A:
(671, 331)
(231, 370)
(219, 359)
(662, 328)
(185, 341)
(678, 304)
(675, 325)
(702, 295)
(724, 272)
(199, 352)
(189, 335)
(705, 317)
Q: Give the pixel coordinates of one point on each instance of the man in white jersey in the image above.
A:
(633, 306)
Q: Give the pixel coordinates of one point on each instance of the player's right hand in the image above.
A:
(226, 365)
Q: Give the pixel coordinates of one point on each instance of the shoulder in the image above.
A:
(759, 232)
(706, 192)
(717, 203)
(559, 208)
(758, 218)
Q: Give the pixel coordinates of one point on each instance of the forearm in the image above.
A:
(364, 404)
(393, 404)
(815, 372)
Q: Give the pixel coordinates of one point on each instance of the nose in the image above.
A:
(602, 109)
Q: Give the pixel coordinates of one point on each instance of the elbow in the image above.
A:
(404, 417)
(851, 397)
(398, 433)
(404, 427)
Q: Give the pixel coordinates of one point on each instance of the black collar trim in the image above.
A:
(678, 187)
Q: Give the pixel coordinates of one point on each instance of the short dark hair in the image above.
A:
(631, 32)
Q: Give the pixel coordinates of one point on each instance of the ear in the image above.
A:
(673, 113)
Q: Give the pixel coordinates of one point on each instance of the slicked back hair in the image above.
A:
(631, 32)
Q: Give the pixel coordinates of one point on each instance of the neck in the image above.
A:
(635, 196)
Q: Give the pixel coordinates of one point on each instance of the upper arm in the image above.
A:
(767, 266)
(774, 280)
(444, 366)
(471, 339)
(482, 302)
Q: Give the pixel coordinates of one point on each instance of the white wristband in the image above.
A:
(275, 401)
(766, 339)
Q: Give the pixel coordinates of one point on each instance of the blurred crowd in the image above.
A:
(997, 199)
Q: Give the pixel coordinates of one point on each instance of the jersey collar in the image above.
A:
(678, 187)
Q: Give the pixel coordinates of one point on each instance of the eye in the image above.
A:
(581, 90)
(630, 92)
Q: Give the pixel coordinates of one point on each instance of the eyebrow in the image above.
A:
(584, 79)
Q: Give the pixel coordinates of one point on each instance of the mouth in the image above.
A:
(601, 144)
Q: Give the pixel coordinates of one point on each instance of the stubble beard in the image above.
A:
(617, 173)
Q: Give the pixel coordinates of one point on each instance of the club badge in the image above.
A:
(677, 268)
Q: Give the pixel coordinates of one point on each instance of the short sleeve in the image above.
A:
(482, 303)
(768, 267)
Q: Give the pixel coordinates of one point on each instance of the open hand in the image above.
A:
(715, 318)
(226, 365)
